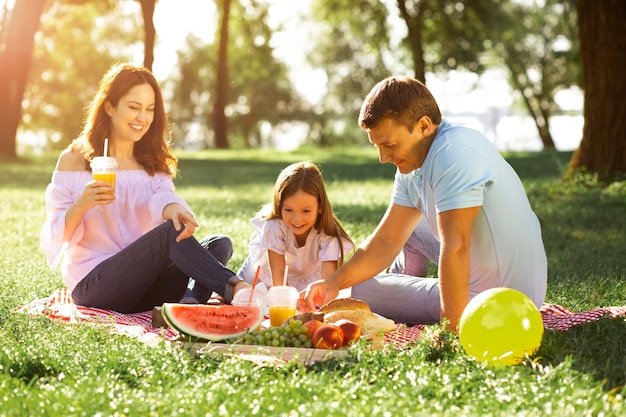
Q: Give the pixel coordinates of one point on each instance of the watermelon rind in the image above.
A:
(211, 322)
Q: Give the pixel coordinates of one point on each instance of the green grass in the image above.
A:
(53, 369)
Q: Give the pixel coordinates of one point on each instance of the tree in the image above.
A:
(147, 11)
(446, 35)
(536, 43)
(259, 89)
(192, 97)
(539, 47)
(352, 46)
(14, 68)
(50, 91)
(601, 26)
(220, 123)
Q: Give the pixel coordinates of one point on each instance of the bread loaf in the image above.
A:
(372, 325)
(344, 304)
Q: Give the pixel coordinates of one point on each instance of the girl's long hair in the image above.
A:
(307, 177)
(152, 151)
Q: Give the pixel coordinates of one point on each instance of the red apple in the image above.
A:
(328, 336)
(351, 331)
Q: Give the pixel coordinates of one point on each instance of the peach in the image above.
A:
(311, 327)
(351, 331)
(328, 336)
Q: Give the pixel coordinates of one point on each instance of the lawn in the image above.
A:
(53, 369)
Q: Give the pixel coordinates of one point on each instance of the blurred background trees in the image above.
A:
(259, 90)
(350, 44)
(66, 69)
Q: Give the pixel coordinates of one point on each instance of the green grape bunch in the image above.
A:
(291, 334)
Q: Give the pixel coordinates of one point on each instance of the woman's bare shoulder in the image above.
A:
(70, 160)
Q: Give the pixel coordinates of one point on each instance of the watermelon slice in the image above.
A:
(210, 322)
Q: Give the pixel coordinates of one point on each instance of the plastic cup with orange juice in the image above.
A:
(282, 302)
(104, 169)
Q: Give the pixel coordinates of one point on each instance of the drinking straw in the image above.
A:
(285, 276)
(106, 146)
(256, 278)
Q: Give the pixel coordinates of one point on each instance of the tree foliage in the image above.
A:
(352, 47)
(537, 43)
(74, 46)
(447, 35)
(539, 47)
(355, 49)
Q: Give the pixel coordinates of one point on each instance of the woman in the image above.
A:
(130, 247)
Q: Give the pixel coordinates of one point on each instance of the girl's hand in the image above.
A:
(183, 220)
(316, 294)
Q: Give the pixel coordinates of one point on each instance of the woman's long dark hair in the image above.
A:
(152, 151)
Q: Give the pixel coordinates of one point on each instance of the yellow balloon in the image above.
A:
(500, 326)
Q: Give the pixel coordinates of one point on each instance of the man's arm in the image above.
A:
(455, 231)
(374, 255)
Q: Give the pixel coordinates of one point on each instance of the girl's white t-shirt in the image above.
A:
(305, 263)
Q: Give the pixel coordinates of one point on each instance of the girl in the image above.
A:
(130, 247)
(297, 232)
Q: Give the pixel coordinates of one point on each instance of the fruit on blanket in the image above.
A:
(292, 334)
(351, 331)
(371, 324)
(210, 322)
(328, 336)
(304, 317)
(500, 326)
(312, 326)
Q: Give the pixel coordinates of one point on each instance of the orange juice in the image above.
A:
(278, 314)
(105, 176)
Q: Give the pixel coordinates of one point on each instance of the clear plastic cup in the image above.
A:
(282, 302)
(104, 169)
(258, 298)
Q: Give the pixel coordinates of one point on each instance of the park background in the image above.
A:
(281, 73)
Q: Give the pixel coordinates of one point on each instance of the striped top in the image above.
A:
(104, 230)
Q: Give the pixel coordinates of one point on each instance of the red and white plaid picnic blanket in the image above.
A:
(59, 306)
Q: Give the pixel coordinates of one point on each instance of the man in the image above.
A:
(476, 221)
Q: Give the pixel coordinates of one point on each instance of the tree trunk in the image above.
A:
(220, 122)
(541, 116)
(542, 122)
(415, 25)
(147, 10)
(543, 125)
(601, 28)
(14, 68)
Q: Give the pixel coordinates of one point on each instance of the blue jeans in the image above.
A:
(400, 293)
(156, 269)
